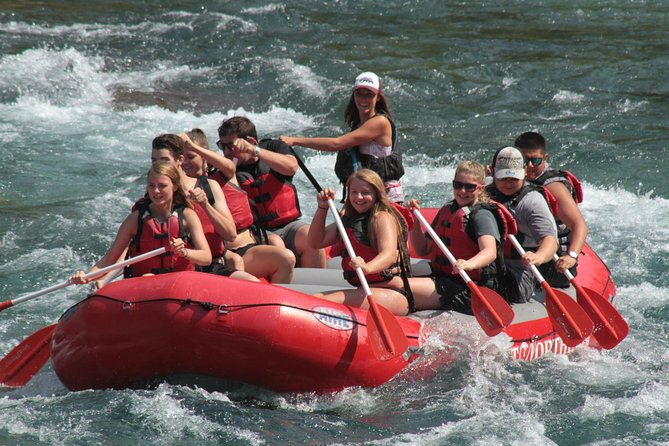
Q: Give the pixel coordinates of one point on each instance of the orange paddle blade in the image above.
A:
(492, 312)
(27, 358)
(571, 323)
(610, 327)
(386, 337)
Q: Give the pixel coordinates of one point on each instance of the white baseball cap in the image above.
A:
(509, 163)
(369, 81)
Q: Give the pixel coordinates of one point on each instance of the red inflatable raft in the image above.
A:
(137, 331)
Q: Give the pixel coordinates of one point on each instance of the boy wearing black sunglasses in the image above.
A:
(265, 170)
(565, 187)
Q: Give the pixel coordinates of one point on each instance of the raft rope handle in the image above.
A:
(224, 308)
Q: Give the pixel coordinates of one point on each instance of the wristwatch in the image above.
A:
(257, 151)
(573, 254)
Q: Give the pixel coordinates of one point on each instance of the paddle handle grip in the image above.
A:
(521, 251)
(349, 247)
(436, 239)
(567, 273)
(93, 275)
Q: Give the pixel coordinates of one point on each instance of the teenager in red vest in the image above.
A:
(375, 230)
(167, 198)
(261, 260)
(565, 187)
(473, 228)
(265, 170)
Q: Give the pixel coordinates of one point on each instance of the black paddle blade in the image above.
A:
(27, 358)
(571, 323)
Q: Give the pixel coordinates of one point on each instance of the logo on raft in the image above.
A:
(532, 350)
(333, 318)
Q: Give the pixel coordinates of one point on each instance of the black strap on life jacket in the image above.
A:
(388, 167)
(143, 209)
(203, 183)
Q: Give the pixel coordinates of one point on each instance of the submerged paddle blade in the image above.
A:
(610, 327)
(382, 319)
(492, 312)
(571, 323)
(27, 358)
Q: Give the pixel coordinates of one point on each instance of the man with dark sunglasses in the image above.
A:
(265, 171)
(536, 226)
(565, 187)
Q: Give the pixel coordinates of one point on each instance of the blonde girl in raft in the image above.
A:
(472, 227)
(167, 208)
(376, 234)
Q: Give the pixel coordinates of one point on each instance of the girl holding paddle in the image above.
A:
(376, 233)
(167, 220)
(472, 227)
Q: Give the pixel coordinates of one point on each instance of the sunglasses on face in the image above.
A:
(457, 185)
(534, 161)
(224, 145)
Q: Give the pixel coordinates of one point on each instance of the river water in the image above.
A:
(85, 86)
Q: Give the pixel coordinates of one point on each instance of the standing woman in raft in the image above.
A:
(376, 233)
(372, 141)
(170, 222)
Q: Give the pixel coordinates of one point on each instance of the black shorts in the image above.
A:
(217, 267)
(554, 277)
(454, 293)
(408, 295)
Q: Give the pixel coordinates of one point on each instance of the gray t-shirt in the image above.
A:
(534, 219)
(485, 224)
(535, 222)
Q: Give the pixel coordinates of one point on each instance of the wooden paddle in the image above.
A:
(387, 339)
(94, 275)
(571, 323)
(610, 327)
(492, 312)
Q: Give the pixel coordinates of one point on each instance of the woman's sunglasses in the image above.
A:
(457, 185)
(534, 161)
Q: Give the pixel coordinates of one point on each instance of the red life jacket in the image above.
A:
(237, 200)
(574, 187)
(273, 194)
(452, 225)
(153, 235)
(357, 228)
(214, 240)
(275, 199)
(564, 176)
